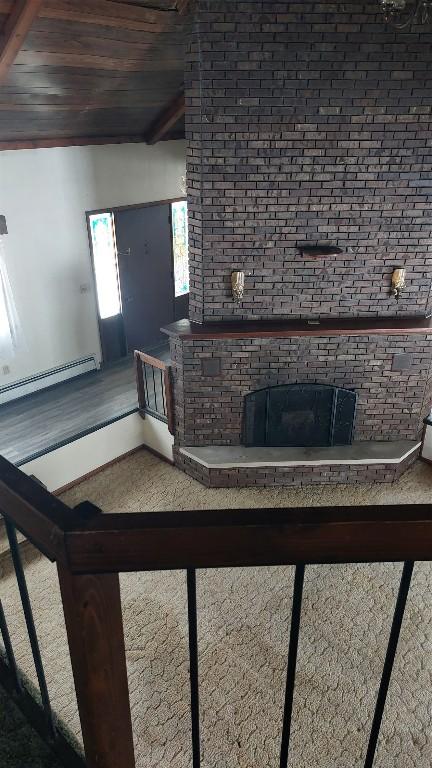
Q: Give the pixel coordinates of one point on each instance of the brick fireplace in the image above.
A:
(308, 125)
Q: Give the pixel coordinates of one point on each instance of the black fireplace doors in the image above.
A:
(299, 415)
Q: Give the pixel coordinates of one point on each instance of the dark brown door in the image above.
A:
(144, 251)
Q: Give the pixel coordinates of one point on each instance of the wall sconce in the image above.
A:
(398, 282)
(237, 285)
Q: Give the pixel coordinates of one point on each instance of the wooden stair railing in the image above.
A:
(154, 387)
(92, 548)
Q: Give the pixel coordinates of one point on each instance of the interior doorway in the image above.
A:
(140, 263)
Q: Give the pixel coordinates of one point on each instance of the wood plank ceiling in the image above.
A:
(91, 71)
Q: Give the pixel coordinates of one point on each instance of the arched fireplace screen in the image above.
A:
(299, 415)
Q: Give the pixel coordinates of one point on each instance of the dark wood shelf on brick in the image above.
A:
(244, 329)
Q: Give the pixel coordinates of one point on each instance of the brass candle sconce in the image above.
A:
(398, 282)
(237, 285)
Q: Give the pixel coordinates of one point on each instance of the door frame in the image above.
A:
(113, 210)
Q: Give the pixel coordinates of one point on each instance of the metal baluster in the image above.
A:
(9, 650)
(193, 662)
(162, 383)
(31, 629)
(146, 385)
(154, 391)
(389, 660)
(292, 663)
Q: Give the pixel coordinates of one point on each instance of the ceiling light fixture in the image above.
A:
(400, 14)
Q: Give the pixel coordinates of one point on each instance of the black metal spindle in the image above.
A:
(4, 630)
(154, 390)
(389, 660)
(31, 629)
(162, 384)
(146, 384)
(193, 664)
(292, 663)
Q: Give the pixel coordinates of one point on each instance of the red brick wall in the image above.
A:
(307, 121)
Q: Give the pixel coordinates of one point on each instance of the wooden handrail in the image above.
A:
(211, 539)
(39, 515)
(150, 360)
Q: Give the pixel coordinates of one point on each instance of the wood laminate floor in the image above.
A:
(39, 422)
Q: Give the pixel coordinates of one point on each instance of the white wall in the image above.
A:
(44, 194)
(87, 454)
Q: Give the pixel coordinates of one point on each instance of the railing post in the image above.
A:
(169, 399)
(93, 615)
(139, 381)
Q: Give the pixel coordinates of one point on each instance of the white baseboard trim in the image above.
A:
(46, 379)
(69, 463)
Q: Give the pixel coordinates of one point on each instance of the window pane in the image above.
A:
(180, 247)
(105, 264)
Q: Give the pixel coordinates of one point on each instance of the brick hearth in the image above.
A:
(306, 123)
(243, 476)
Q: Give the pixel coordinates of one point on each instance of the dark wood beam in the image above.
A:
(89, 61)
(80, 141)
(144, 541)
(105, 13)
(47, 107)
(166, 120)
(15, 31)
(184, 6)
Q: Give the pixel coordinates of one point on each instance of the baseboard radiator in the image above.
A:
(45, 379)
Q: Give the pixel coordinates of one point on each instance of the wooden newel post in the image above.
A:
(93, 615)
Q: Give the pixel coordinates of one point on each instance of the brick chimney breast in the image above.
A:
(307, 123)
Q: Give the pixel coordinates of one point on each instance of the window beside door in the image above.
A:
(179, 226)
(102, 234)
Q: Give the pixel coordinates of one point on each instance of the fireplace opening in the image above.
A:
(299, 415)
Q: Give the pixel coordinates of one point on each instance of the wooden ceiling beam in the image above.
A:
(14, 32)
(81, 141)
(166, 120)
(106, 13)
(79, 106)
(88, 61)
(183, 6)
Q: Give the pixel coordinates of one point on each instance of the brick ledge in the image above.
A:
(242, 477)
(238, 457)
(245, 329)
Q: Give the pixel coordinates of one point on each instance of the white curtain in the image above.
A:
(9, 326)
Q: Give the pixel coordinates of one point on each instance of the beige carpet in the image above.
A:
(244, 619)
(144, 483)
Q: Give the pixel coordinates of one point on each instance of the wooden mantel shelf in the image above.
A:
(245, 329)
